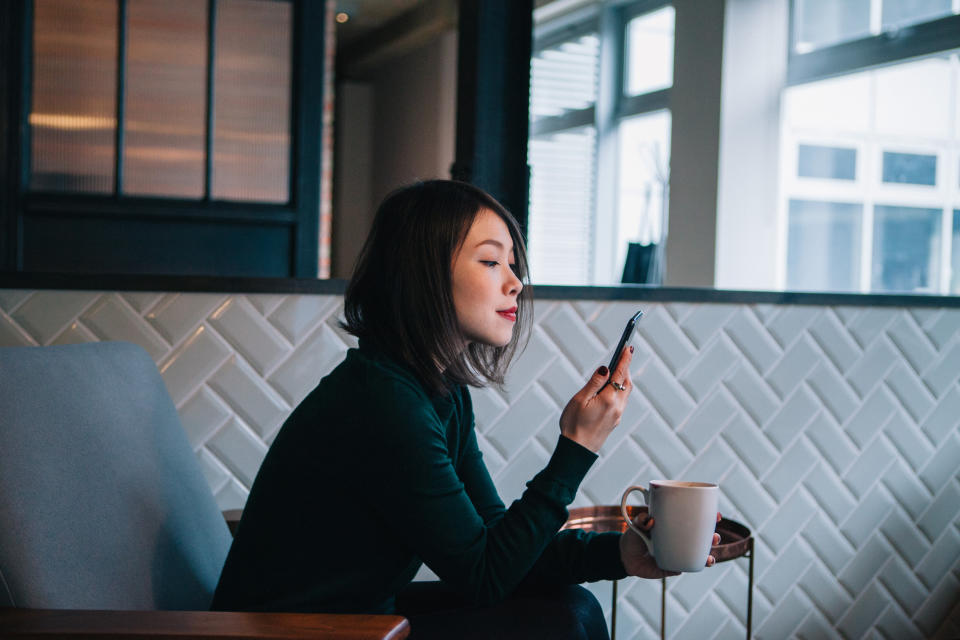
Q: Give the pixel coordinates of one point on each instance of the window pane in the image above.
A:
(561, 207)
(644, 181)
(836, 104)
(564, 77)
(166, 94)
(906, 249)
(650, 52)
(823, 249)
(251, 146)
(909, 168)
(955, 259)
(818, 23)
(900, 13)
(73, 116)
(836, 163)
(913, 98)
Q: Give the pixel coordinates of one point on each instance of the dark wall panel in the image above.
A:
(93, 245)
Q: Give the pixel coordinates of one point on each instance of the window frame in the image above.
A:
(297, 220)
(609, 19)
(868, 189)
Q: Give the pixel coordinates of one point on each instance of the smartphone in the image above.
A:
(624, 339)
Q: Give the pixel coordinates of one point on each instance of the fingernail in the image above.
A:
(631, 348)
(602, 370)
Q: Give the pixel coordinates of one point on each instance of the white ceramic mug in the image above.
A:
(685, 517)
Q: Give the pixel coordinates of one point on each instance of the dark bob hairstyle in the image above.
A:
(400, 298)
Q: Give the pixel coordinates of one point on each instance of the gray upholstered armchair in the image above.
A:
(107, 526)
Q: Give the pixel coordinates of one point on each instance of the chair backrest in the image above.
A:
(102, 501)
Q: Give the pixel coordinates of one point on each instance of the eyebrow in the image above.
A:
(496, 243)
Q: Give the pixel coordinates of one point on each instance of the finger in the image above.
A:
(622, 373)
(647, 523)
(716, 539)
(718, 516)
(596, 381)
(711, 561)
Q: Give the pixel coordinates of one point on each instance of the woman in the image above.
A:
(378, 471)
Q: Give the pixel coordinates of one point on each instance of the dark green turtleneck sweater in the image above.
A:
(371, 476)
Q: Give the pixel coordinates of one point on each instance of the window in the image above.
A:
(870, 132)
(148, 90)
(163, 136)
(599, 147)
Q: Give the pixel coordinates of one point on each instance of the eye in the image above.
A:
(490, 263)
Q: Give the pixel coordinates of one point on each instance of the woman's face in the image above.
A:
(485, 287)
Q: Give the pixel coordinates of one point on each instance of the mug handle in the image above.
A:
(623, 510)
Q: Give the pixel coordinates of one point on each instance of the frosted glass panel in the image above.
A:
(166, 87)
(564, 77)
(900, 13)
(251, 146)
(823, 252)
(818, 23)
(562, 167)
(906, 249)
(650, 52)
(644, 179)
(913, 98)
(955, 259)
(73, 114)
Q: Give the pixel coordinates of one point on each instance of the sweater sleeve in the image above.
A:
(571, 557)
(422, 498)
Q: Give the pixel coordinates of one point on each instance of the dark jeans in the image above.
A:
(561, 613)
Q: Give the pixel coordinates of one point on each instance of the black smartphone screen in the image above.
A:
(624, 339)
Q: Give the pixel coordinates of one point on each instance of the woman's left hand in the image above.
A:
(636, 558)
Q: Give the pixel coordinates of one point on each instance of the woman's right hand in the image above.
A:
(595, 410)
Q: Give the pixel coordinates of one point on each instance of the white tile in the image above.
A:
(666, 339)
(76, 333)
(706, 371)
(265, 303)
(662, 390)
(944, 371)
(833, 391)
(514, 429)
(239, 450)
(752, 392)
(864, 613)
(314, 358)
(12, 334)
(835, 341)
(249, 396)
(177, 314)
(111, 318)
(11, 298)
(705, 320)
(141, 301)
(233, 495)
(575, 340)
(46, 313)
(790, 322)
(202, 414)
(193, 362)
(298, 315)
(757, 345)
(911, 341)
(250, 334)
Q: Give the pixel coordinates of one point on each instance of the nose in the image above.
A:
(512, 285)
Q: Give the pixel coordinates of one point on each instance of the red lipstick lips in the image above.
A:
(510, 314)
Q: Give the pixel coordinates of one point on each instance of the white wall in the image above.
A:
(754, 73)
(393, 128)
(833, 431)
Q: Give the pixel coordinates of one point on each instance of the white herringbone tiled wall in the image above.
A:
(834, 433)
